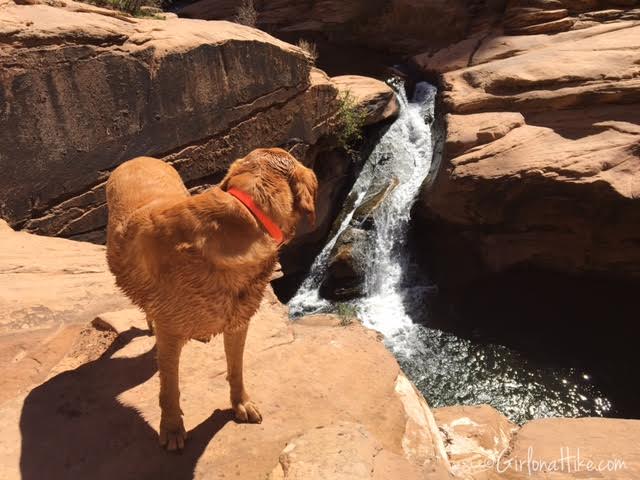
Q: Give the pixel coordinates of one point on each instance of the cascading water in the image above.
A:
(403, 153)
(447, 369)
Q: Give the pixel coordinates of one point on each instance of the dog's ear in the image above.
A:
(236, 168)
(304, 186)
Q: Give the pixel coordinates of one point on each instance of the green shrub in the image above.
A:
(351, 118)
(129, 6)
(247, 14)
(347, 313)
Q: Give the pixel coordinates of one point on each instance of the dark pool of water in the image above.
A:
(531, 344)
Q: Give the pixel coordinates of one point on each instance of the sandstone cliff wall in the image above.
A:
(82, 91)
(398, 26)
(541, 162)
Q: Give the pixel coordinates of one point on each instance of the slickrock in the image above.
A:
(49, 287)
(345, 451)
(94, 412)
(541, 162)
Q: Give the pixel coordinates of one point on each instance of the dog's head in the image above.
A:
(279, 184)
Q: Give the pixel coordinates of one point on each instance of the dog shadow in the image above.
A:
(74, 427)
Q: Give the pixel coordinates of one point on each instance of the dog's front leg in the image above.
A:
(245, 410)
(172, 433)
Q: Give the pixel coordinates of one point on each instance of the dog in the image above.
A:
(199, 265)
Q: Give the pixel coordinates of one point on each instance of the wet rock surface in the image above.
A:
(348, 260)
(346, 270)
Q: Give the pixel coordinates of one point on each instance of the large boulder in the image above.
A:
(541, 162)
(85, 89)
(347, 266)
(376, 98)
(350, 257)
(475, 437)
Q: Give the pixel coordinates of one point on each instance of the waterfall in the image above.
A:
(446, 368)
(404, 152)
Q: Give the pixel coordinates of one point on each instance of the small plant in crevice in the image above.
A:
(350, 121)
(347, 313)
(246, 14)
(309, 48)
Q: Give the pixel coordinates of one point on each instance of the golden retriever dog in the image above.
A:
(198, 265)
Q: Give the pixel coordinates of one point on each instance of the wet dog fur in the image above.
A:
(198, 265)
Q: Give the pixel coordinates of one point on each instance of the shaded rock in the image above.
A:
(363, 215)
(602, 15)
(349, 258)
(622, 3)
(580, 5)
(400, 26)
(102, 88)
(347, 266)
(519, 17)
(535, 4)
(306, 378)
(374, 96)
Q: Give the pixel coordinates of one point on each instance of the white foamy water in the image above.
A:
(403, 153)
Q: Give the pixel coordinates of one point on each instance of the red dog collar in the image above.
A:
(268, 224)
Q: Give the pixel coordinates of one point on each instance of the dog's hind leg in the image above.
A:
(172, 432)
(245, 410)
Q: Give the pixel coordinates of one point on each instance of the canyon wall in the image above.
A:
(398, 26)
(541, 160)
(83, 89)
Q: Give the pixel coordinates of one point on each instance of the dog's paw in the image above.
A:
(247, 412)
(172, 434)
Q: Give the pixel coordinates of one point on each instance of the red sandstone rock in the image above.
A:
(555, 183)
